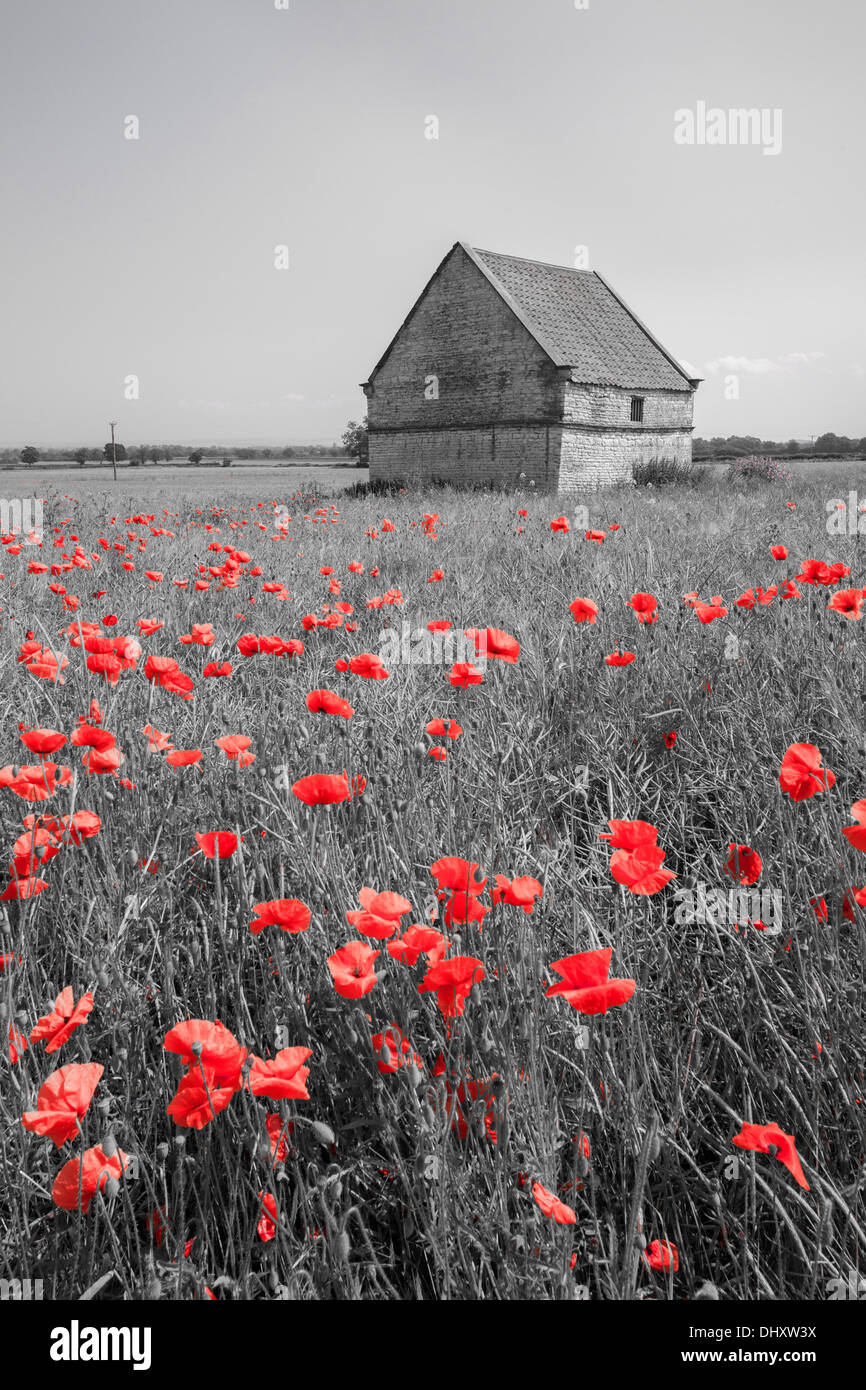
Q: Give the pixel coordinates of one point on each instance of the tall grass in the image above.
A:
(379, 1196)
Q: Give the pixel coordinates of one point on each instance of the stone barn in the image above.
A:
(506, 366)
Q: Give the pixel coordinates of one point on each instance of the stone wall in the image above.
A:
(590, 458)
(611, 405)
(498, 454)
(488, 367)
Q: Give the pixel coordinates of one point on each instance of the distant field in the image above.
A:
(264, 475)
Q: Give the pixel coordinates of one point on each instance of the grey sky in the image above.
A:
(259, 126)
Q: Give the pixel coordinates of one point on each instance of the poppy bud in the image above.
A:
(112, 1187)
(132, 857)
(109, 1145)
(640, 1240)
(180, 1140)
(323, 1133)
(582, 1166)
(162, 1152)
(342, 1246)
(102, 979)
(419, 750)
(655, 1148)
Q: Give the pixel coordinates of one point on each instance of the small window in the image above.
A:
(637, 410)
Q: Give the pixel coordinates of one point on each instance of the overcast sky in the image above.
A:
(259, 127)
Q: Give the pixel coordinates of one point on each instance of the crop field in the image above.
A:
(433, 896)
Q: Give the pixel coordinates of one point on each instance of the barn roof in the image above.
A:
(581, 323)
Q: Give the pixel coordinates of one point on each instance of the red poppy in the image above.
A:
(662, 1255)
(83, 1177)
(552, 1206)
(856, 834)
(583, 610)
(36, 783)
(235, 747)
(801, 774)
(266, 1226)
(183, 757)
(463, 907)
(277, 1129)
(744, 865)
(761, 1138)
(323, 789)
(289, 914)
(560, 523)
(392, 1051)
(452, 979)
(418, 940)
(63, 1099)
(326, 702)
(629, 834)
(585, 984)
(197, 1040)
(442, 728)
(814, 572)
(55, 1028)
(493, 642)
(369, 666)
(619, 658)
(708, 612)
(779, 552)
(640, 869)
(464, 674)
(202, 1095)
(352, 970)
(282, 1077)
(17, 1044)
(457, 875)
(518, 892)
(217, 844)
(42, 741)
(670, 739)
(164, 671)
(645, 607)
(848, 602)
(215, 669)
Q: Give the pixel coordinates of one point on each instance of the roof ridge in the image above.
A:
(528, 260)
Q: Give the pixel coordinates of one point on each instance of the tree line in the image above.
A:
(744, 446)
(353, 444)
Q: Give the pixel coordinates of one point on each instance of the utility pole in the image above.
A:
(113, 451)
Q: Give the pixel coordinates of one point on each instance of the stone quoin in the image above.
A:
(506, 366)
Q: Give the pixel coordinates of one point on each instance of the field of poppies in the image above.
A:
(434, 896)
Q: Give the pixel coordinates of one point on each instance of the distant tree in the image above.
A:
(355, 440)
(792, 447)
(196, 456)
(80, 457)
(830, 444)
(119, 449)
(153, 454)
(29, 455)
(288, 452)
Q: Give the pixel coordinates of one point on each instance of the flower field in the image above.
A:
(434, 896)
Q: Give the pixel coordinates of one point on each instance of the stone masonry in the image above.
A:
(478, 387)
